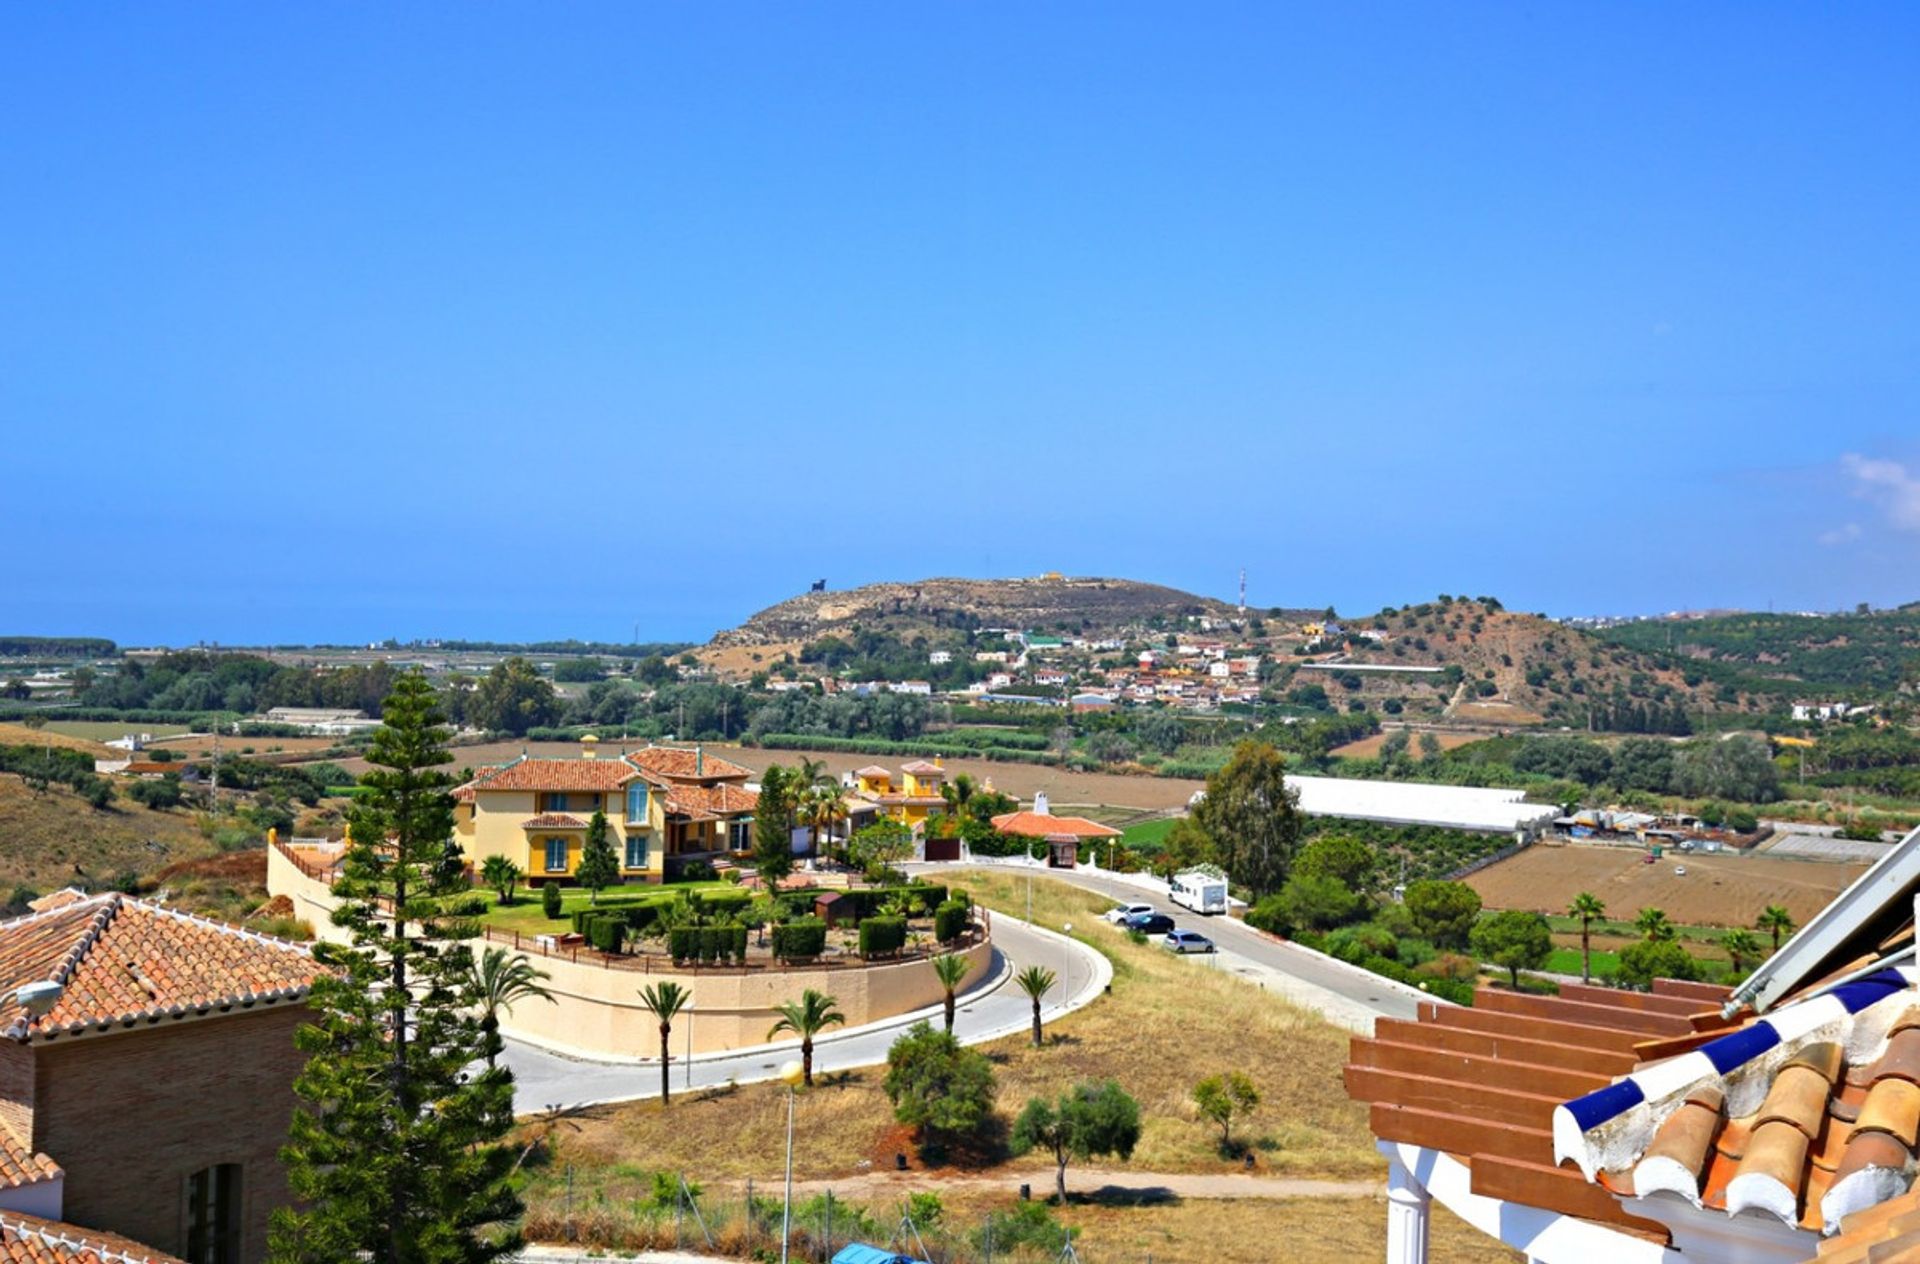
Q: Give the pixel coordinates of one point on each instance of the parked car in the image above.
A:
(1149, 923)
(1188, 941)
(1679, 871)
(1119, 913)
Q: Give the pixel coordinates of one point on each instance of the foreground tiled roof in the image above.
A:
(1041, 825)
(123, 961)
(31, 1240)
(584, 775)
(19, 1165)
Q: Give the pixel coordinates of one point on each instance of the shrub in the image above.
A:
(1742, 820)
(1272, 915)
(683, 943)
(550, 901)
(1367, 940)
(882, 935)
(1450, 965)
(1652, 959)
(802, 938)
(950, 921)
(607, 933)
(960, 895)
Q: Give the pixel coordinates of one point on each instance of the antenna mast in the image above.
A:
(1243, 591)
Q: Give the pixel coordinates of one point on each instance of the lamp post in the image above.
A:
(689, 1082)
(790, 1075)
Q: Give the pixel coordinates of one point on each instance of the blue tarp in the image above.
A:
(860, 1253)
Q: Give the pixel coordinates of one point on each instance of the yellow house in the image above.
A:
(665, 805)
(915, 797)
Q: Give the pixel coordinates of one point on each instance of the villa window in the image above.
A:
(637, 853)
(213, 1226)
(636, 803)
(556, 803)
(740, 834)
(556, 855)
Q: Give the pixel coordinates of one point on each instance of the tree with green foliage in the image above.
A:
(1738, 768)
(1252, 817)
(500, 873)
(806, 1018)
(513, 698)
(820, 809)
(950, 968)
(1036, 982)
(1514, 938)
(773, 824)
(1443, 911)
(1090, 1121)
(1351, 860)
(396, 1157)
(1641, 963)
(937, 1086)
(1183, 846)
(599, 866)
(1775, 920)
(880, 846)
(664, 1000)
(1654, 925)
(1742, 948)
(1318, 901)
(500, 979)
(1588, 909)
(1221, 1097)
(551, 900)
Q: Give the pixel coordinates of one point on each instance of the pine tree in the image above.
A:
(599, 867)
(396, 1155)
(773, 824)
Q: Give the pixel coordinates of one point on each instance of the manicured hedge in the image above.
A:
(950, 921)
(606, 933)
(800, 939)
(880, 935)
(708, 945)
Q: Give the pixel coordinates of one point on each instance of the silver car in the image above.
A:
(1188, 941)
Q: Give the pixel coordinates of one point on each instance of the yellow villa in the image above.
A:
(665, 806)
(916, 796)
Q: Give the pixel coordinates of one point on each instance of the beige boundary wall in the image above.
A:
(597, 1010)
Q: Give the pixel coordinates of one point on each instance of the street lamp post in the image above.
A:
(689, 1083)
(791, 1074)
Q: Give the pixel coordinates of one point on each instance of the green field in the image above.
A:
(1567, 961)
(1698, 934)
(107, 730)
(1147, 835)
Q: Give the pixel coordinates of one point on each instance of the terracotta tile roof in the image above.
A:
(872, 771)
(910, 800)
(30, 1240)
(57, 899)
(702, 803)
(553, 820)
(585, 775)
(124, 961)
(923, 768)
(1038, 825)
(676, 763)
(19, 1165)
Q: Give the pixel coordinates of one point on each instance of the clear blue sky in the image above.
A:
(347, 321)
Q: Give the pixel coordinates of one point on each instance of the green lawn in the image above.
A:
(1567, 961)
(1700, 934)
(1147, 835)
(525, 915)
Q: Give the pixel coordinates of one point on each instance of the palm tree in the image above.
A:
(498, 979)
(950, 968)
(958, 793)
(806, 1018)
(1777, 920)
(1742, 946)
(664, 1001)
(1036, 982)
(810, 772)
(500, 873)
(822, 809)
(1653, 924)
(1587, 907)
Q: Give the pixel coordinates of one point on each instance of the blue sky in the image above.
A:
(349, 321)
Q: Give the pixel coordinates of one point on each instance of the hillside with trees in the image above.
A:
(1865, 651)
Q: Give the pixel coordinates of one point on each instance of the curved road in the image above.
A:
(989, 1009)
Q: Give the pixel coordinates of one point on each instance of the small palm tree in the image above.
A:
(1587, 907)
(950, 968)
(664, 1001)
(1742, 947)
(1777, 920)
(1653, 924)
(806, 1018)
(498, 979)
(1036, 982)
(500, 873)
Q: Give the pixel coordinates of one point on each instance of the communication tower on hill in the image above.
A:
(1243, 591)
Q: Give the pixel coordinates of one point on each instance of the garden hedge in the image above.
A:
(606, 933)
(882, 935)
(950, 921)
(801, 939)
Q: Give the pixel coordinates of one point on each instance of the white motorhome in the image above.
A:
(1200, 891)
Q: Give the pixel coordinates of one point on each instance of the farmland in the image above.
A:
(1369, 747)
(1716, 891)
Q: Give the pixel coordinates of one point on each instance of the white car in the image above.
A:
(1121, 912)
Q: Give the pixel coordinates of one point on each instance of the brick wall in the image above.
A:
(130, 1115)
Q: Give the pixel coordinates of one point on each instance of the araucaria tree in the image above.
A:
(1252, 818)
(599, 867)
(395, 1156)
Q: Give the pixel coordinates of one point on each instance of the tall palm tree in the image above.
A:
(498, 979)
(1653, 924)
(806, 1018)
(950, 968)
(958, 793)
(1742, 946)
(1036, 982)
(1777, 920)
(1587, 907)
(822, 809)
(810, 772)
(665, 1000)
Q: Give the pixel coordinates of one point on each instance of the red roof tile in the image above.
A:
(923, 768)
(707, 802)
(19, 1165)
(585, 775)
(123, 960)
(1037, 825)
(553, 820)
(677, 763)
(31, 1240)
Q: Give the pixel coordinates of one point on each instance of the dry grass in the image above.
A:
(1299, 1231)
(1716, 891)
(1369, 747)
(21, 735)
(54, 839)
(1169, 1022)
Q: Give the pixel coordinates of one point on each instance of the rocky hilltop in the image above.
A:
(1048, 603)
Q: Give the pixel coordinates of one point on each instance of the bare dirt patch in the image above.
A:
(1369, 747)
(738, 662)
(1495, 713)
(1716, 891)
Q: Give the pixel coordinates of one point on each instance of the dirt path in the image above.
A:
(1089, 1180)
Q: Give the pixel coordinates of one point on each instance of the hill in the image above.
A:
(1872, 652)
(1054, 604)
(21, 735)
(54, 838)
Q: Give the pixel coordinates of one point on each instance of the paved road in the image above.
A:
(988, 1010)
(1346, 994)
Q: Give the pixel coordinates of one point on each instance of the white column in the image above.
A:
(1407, 1203)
